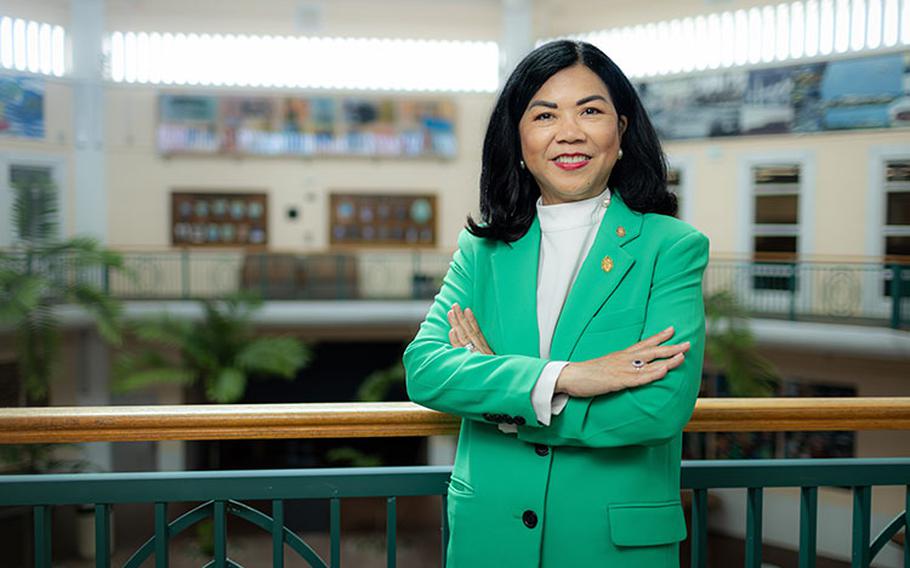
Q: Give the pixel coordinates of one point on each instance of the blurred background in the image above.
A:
(249, 202)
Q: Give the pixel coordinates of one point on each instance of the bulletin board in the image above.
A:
(382, 220)
(219, 219)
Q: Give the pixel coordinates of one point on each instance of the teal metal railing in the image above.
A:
(869, 292)
(224, 496)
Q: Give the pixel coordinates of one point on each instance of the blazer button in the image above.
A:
(488, 417)
(529, 518)
(541, 449)
(520, 420)
(508, 419)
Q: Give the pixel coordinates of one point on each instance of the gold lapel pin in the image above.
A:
(607, 264)
(620, 231)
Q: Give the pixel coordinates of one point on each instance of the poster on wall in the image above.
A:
(382, 220)
(213, 219)
(697, 107)
(187, 124)
(21, 106)
(857, 93)
(306, 126)
(872, 92)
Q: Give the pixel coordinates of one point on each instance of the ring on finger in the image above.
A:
(470, 347)
(637, 364)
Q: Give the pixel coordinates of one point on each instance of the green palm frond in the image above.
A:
(43, 271)
(37, 343)
(376, 387)
(221, 351)
(153, 376)
(227, 386)
(280, 356)
(731, 347)
(19, 294)
(35, 212)
(107, 312)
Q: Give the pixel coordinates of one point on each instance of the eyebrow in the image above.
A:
(579, 102)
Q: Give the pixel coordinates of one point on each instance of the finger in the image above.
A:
(664, 365)
(467, 331)
(654, 340)
(472, 321)
(662, 351)
(462, 320)
(643, 377)
(456, 328)
(453, 339)
(476, 333)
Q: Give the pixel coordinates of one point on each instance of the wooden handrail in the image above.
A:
(396, 419)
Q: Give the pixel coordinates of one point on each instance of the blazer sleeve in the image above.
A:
(658, 411)
(491, 388)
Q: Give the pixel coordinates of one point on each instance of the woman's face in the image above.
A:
(570, 134)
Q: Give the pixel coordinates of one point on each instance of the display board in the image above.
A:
(21, 106)
(305, 126)
(382, 219)
(213, 219)
(846, 94)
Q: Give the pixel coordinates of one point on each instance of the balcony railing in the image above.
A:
(874, 293)
(222, 494)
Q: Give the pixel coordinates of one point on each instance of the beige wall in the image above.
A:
(140, 182)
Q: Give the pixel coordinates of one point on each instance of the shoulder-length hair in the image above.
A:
(508, 193)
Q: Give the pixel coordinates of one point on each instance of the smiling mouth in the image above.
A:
(571, 161)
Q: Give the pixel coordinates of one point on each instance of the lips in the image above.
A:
(570, 162)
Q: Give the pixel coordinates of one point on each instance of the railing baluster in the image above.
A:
(907, 527)
(42, 536)
(808, 526)
(162, 544)
(335, 531)
(277, 533)
(220, 534)
(753, 527)
(102, 535)
(699, 540)
(445, 528)
(862, 518)
(390, 524)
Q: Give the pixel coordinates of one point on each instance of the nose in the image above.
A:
(569, 131)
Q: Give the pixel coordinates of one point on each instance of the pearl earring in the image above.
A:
(521, 163)
(619, 155)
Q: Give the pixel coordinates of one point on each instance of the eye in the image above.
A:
(543, 116)
(592, 110)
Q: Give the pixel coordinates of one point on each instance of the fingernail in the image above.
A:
(669, 328)
(687, 343)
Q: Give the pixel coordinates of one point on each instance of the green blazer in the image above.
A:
(599, 486)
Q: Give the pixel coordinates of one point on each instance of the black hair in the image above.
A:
(508, 193)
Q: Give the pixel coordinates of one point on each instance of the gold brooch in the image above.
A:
(607, 264)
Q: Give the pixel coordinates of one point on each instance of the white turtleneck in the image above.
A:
(567, 232)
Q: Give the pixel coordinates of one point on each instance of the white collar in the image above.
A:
(572, 215)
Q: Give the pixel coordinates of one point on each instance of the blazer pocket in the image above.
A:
(646, 524)
(607, 319)
(460, 487)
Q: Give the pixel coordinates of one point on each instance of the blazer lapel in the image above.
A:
(515, 277)
(602, 271)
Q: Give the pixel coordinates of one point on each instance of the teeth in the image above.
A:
(571, 159)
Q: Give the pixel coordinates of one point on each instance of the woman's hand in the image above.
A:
(465, 330)
(616, 372)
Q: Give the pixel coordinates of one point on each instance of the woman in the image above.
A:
(551, 334)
